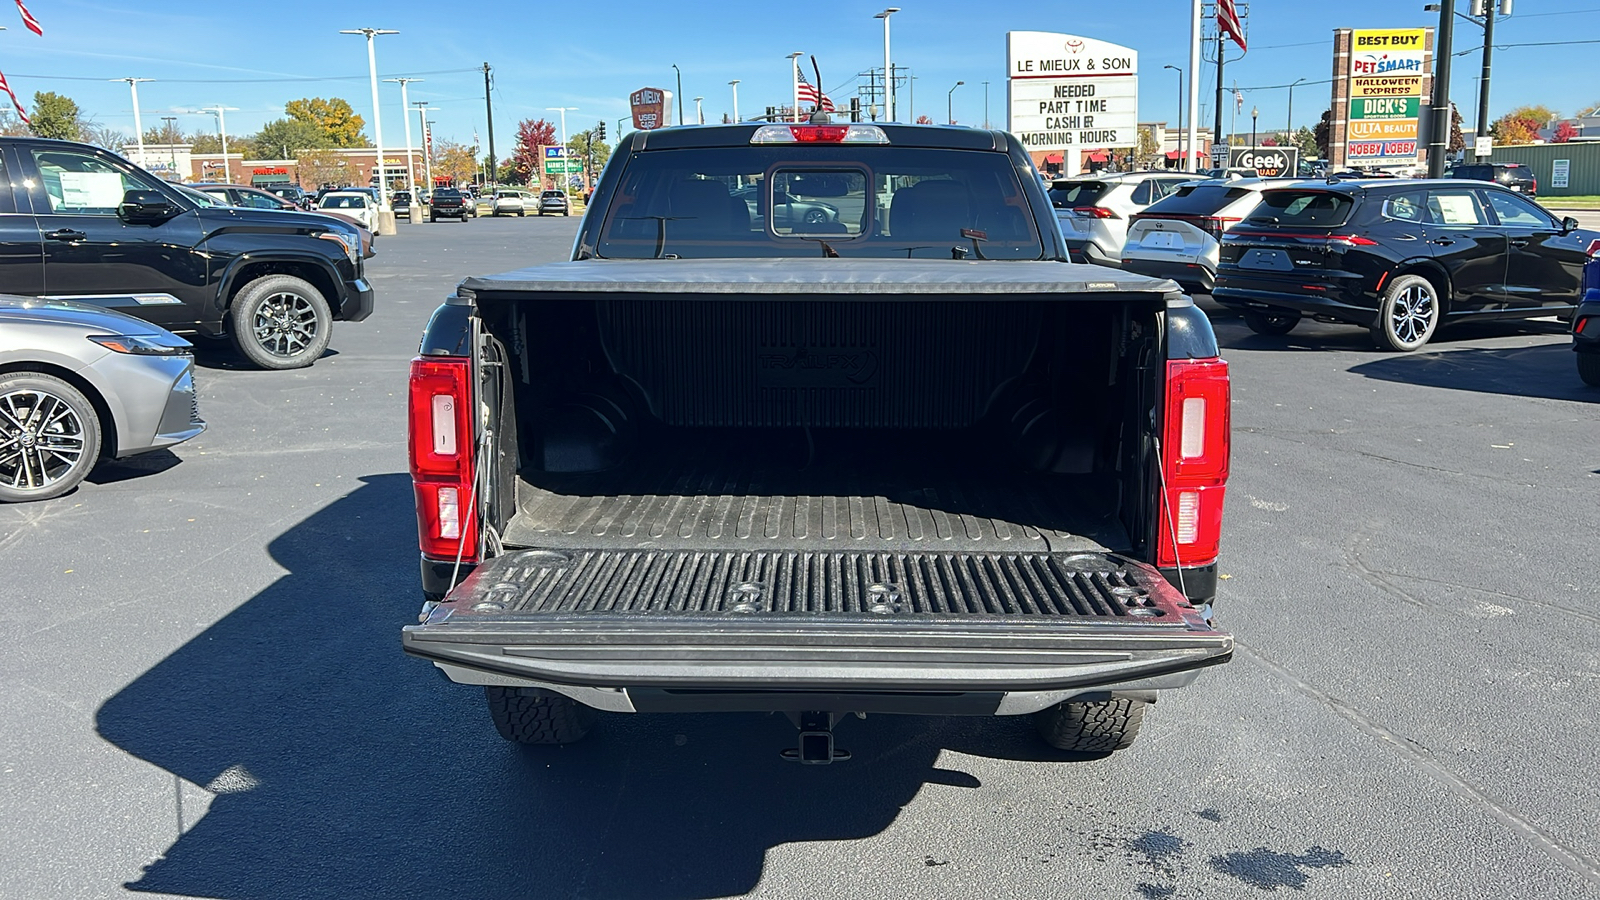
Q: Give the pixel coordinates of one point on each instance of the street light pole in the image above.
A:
(138, 124)
(735, 85)
(699, 111)
(1254, 112)
(1289, 130)
(1483, 80)
(405, 114)
(888, 65)
(986, 105)
(172, 149)
(427, 146)
(1185, 159)
(794, 82)
(222, 129)
(950, 103)
(680, 92)
(385, 214)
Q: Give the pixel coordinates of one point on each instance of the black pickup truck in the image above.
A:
(80, 223)
(902, 457)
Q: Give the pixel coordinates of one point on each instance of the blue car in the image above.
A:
(1586, 321)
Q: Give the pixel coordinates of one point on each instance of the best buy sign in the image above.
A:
(1385, 107)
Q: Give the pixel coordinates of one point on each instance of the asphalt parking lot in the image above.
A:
(205, 694)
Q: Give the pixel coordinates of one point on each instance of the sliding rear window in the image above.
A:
(1303, 209)
(853, 201)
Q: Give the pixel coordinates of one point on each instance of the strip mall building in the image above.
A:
(354, 166)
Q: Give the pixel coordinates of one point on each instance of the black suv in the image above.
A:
(449, 203)
(1399, 257)
(80, 223)
(1515, 176)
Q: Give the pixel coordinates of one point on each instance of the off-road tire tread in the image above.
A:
(1098, 727)
(239, 325)
(534, 716)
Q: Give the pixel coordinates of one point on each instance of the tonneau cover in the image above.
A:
(787, 275)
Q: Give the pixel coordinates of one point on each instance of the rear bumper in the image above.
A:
(1342, 299)
(1589, 340)
(661, 623)
(1082, 250)
(1192, 277)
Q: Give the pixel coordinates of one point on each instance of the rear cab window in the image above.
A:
(782, 200)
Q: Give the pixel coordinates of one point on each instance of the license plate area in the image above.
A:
(1162, 240)
(1269, 260)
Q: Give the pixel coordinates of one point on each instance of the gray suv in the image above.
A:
(553, 202)
(1094, 209)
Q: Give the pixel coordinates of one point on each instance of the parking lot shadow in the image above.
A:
(1544, 371)
(340, 768)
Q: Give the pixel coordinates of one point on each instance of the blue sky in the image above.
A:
(203, 54)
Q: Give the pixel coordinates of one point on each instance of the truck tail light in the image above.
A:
(441, 457)
(1194, 467)
(819, 134)
(1095, 212)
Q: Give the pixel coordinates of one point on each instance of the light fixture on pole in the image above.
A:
(405, 114)
(950, 103)
(427, 143)
(138, 124)
(679, 73)
(1290, 132)
(699, 111)
(222, 130)
(564, 110)
(888, 65)
(377, 123)
(1180, 116)
(1253, 113)
(735, 85)
(794, 82)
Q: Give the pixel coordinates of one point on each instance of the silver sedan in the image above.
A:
(79, 384)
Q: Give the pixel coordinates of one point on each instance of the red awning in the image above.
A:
(1174, 154)
(1099, 156)
(1053, 159)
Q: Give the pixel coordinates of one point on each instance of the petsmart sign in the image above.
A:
(1066, 92)
(1386, 73)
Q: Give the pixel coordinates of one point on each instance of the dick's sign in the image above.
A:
(1269, 162)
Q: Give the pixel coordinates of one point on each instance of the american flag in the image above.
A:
(29, 20)
(810, 93)
(4, 86)
(1228, 22)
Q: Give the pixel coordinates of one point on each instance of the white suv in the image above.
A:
(508, 203)
(1180, 236)
(1093, 210)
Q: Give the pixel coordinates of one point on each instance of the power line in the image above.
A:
(303, 78)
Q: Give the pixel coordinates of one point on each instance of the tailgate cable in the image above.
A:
(1166, 510)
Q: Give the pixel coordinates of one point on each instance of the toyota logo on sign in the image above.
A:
(1269, 162)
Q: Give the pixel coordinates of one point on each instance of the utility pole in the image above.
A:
(1483, 80)
(1216, 133)
(405, 115)
(138, 124)
(488, 110)
(1439, 142)
(986, 105)
(222, 129)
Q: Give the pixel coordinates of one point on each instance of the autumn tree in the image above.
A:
(56, 116)
(1323, 133)
(283, 138)
(206, 142)
(113, 139)
(1148, 153)
(454, 161)
(11, 126)
(1565, 131)
(333, 118)
(532, 134)
(923, 120)
(1458, 141)
(320, 167)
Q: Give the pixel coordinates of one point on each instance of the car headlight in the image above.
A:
(351, 243)
(144, 344)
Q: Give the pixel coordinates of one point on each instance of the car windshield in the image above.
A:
(891, 202)
(1307, 209)
(1067, 194)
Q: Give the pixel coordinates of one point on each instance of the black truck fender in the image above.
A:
(322, 272)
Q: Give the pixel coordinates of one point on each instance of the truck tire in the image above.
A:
(57, 430)
(1408, 314)
(1589, 368)
(534, 716)
(280, 322)
(1276, 322)
(1098, 727)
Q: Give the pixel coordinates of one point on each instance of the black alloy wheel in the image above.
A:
(280, 322)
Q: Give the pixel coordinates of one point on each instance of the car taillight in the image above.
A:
(441, 445)
(1194, 466)
(1095, 212)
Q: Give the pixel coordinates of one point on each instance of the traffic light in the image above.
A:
(600, 130)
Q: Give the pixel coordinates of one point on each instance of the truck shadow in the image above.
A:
(340, 768)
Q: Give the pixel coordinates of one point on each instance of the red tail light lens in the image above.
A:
(1195, 449)
(1095, 212)
(441, 457)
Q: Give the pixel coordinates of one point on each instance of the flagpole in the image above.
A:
(1194, 84)
(794, 82)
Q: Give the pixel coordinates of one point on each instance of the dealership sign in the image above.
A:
(652, 108)
(1386, 75)
(1066, 92)
(1269, 162)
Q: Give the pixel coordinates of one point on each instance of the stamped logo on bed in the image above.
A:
(803, 367)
